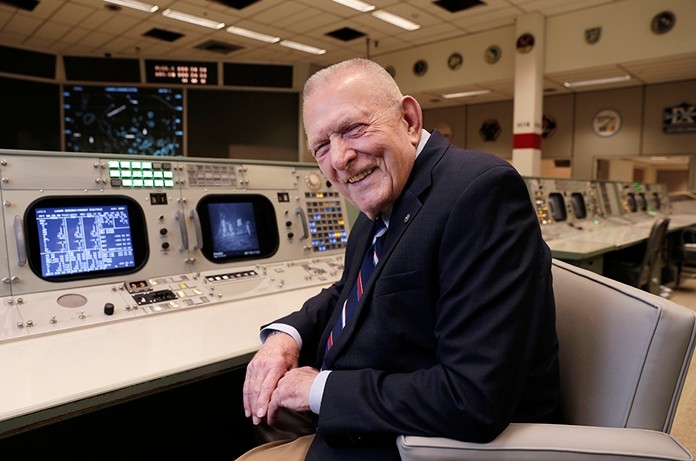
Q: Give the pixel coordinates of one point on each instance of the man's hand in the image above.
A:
(278, 354)
(292, 392)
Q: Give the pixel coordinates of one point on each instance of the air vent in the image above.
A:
(162, 34)
(218, 47)
(455, 6)
(28, 5)
(346, 34)
(237, 4)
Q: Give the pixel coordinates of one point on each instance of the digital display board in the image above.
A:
(181, 72)
(123, 120)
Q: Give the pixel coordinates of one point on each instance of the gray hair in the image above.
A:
(383, 88)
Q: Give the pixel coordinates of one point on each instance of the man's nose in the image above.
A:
(341, 154)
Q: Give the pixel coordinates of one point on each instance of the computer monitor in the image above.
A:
(72, 238)
(557, 207)
(237, 227)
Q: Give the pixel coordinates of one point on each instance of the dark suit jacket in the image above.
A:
(455, 335)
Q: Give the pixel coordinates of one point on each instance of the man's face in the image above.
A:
(366, 150)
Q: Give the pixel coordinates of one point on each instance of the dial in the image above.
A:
(313, 180)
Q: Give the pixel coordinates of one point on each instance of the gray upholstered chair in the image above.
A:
(624, 356)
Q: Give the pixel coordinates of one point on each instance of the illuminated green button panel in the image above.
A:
(135, 174)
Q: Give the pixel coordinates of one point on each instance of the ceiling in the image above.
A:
(94, 28)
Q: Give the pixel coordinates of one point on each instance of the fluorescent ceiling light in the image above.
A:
(148, 8)
(464, 94)
(252, 34)
(356, 5)
(598, 81)
(301, 47)
(193, 19)
(393, 19)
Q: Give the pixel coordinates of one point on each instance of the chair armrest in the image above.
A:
(553, 442)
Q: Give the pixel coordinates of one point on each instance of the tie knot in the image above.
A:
(380, 228)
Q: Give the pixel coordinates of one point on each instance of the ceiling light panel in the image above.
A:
(597, 81)
(302, 47)
(251, 34)
(146, 7)
(193, 19)
(358, 5)
(395, 20)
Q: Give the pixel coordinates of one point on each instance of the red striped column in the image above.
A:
(529, 92)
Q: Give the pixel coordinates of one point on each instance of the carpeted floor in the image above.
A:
(684, 427)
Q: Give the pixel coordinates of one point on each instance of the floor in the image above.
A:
(684, 426)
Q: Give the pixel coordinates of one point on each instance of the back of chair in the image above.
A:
(624, 352)
(655, 245)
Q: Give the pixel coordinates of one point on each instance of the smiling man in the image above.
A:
(453, 333)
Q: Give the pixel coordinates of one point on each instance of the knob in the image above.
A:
(288, 223)
(163, 231)
(109, 309)
(165, 245)
(291, 235)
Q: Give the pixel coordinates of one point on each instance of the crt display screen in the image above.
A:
(237, 227)
(80, 240)
(123, 120)
(234, 229)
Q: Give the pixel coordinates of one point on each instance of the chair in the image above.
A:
(624, 354)
(641, 271)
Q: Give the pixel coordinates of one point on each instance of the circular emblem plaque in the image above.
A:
(455, 61)
(525, 43)
(420, 67)
(606, 123)
(492, 54)
(662, 22)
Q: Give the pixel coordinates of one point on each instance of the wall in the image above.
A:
(641, 109)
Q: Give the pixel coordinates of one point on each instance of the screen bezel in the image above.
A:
(137, 225)
(266, 225)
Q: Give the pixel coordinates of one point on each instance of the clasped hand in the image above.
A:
(273, 380)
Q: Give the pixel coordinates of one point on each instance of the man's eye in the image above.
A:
(356, 130)
(320, 150)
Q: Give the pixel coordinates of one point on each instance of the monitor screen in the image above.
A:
(76, 238)
(237, 227)
(123, 120)
(557, 206)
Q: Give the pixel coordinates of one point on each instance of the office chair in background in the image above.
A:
(641, 269)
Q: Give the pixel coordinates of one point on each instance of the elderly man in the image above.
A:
(443, 322)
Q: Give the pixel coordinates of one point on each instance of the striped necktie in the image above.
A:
(369, 262)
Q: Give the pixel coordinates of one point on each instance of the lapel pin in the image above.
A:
(407, 217)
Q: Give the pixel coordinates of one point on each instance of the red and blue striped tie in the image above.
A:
(369, 262)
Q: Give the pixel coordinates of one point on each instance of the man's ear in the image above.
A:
(413, 115)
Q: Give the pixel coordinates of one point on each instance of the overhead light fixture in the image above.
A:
(146, 7)
(193, 19)
(597, 81)
(464, 94)
(356, 5)
(251, 34)
(395, 20)
(301, 47)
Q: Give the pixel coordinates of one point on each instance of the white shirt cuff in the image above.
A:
(285, 329)
(317, 391)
